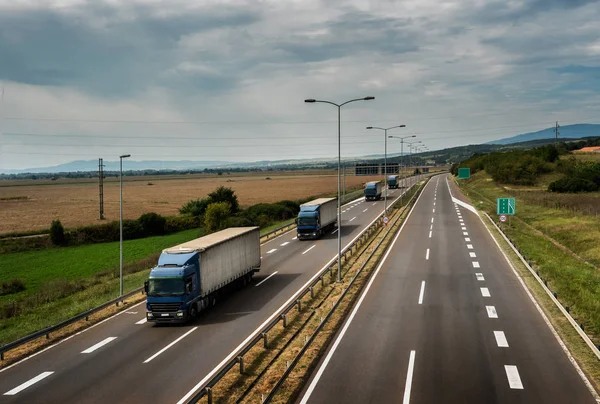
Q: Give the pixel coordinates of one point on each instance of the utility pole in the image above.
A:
(556, 133)
(101, 186)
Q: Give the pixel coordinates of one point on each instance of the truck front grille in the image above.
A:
(164, 307)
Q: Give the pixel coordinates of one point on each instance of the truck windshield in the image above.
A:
(371, 186)
(307, 220)
(165, 287)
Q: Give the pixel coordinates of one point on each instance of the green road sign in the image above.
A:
(506, 206)
(464, 173)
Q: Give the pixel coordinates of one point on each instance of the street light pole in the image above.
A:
(385, 136)
(339, 209)
(410, 151)
(121, 222)
(402, 157)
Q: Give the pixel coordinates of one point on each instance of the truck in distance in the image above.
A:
(316, 217)
(191, 276)
(373, 190)
(393, 181)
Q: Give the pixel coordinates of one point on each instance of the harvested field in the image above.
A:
(32, 205)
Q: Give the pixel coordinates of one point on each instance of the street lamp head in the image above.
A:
(369, 127)
(414, 136)
(124, 156)
(368, 98)
(402, 126)
(310, 100)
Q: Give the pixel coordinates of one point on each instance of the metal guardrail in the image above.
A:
(237, 357)
(314, 335)
(281, 229)
(47, 331)
(544, 284)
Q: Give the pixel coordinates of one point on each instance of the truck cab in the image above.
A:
(393, 181)
(308, 222)
(373, 190)
(173, 288)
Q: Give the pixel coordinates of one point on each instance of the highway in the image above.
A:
(445, 320)
(126, 360)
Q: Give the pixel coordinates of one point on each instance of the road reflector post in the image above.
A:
(312, 292)
(299, 303)
(265, 342)
(240, 360)
(284, 318)
(209, 395)
(48, 336)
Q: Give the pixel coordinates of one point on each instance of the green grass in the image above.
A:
(576, 282)
(37, 268)
(275, 225)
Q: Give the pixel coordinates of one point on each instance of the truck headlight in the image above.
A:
(180, 313)
(149, 314)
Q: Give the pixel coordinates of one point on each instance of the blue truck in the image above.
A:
(190, 277)
(316, 217)
(373, 190)
(393, 181)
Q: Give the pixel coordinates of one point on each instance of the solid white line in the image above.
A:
(491, 311)
(430, 234)
(485, 292)
(142, 321)
(409, 377)
(284, 244)
(264, 280)
(99, 345)
(475, 264)
(31, 382)
(427, 254)
(472, 255)
(171, 344)
(309, 249)
(479, 276)
(317, 377)
(470, 246)
(501, 339)
(422, 292)
(467, 239)
(365, 210)
(352, 219)
(512, 374)
(272, 251)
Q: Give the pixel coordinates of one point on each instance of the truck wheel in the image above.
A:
(193, 312)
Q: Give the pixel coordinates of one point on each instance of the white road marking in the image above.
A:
(352, 219)
(409, 376)
(465, 233)
(422, 292)
(309, 249)
(99, 345)
(479, 276)
(272, 251)
(470, 246)
(433, 203)
(374, 203)
(463, 228)
(467, 239)
(284, 244)
(485, 292)
(266, 279)
(431, 227)
(29, 383)
(430, 234)
(427, 254)
(472, 255)
(295, 238)
(365, 210)
(432, 220)
(335, 231)
(501, 339)
(491, 311)
(171, 344)
(475, 264)
(433, 210)
(142, 321)
(512, 374)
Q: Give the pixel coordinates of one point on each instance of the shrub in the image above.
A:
(13, 286)
(57, 233)
(239, 221)
(177, 223)
(196, 207)
(224, 194)
(572, 185)
(152, 224)
(132, 229)
(216, 216)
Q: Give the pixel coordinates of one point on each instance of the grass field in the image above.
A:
(564, 246)
(32, 205)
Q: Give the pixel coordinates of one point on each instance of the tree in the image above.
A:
(216, 216)
(224, 194)
(196, 207)
(57, 233)
(153, 224)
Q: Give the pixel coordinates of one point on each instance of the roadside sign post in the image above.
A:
(464, 173)
(386, 220)
(506, 207)
(503, 218)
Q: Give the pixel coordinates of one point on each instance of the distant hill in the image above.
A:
(577, 131)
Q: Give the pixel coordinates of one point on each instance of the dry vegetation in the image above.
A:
(75, 202)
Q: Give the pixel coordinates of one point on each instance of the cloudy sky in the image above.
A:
(226, 79)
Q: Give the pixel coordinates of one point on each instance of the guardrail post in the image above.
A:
(2, 355)
(322, 281)
(209, 394)
(264, 337)
(312, 292)
(240, 360)
(48, 336)
(299, 303)
(284, 318)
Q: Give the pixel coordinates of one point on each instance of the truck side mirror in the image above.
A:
(296, 221)
(146, 287)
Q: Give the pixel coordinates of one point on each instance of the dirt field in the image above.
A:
(31, 205)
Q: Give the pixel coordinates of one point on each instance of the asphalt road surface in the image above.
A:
(126, 360)
(445, 320)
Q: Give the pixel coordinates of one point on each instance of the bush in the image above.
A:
(195, 207)
(132, 229)
(216, 216)
(572, 185)
(57, 233)
(224, 194)
(152, 224)
(13, 286)
(178, 223)
(239, 221)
